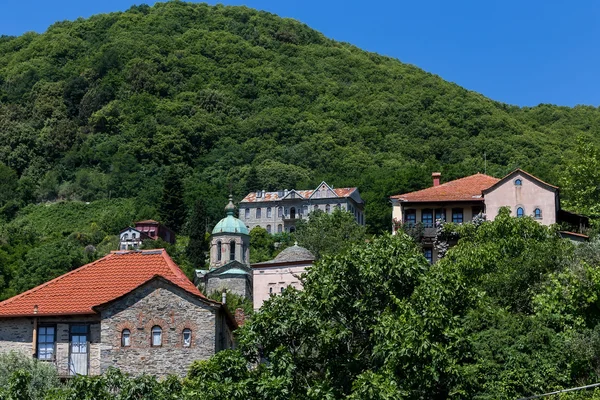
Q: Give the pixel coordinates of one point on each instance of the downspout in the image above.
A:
(35, 333)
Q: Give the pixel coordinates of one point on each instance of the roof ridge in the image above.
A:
(177, 271)
(58, 278)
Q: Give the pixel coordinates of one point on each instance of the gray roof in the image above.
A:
(291, 254)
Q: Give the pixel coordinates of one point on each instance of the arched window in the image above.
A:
(271, 290)
(247, 213)
(537, 213)
(292, 229)
(126, 236)
(268, 228)
(268, 212)
(125, 338)
(232, 250)
(156, 336)
(520, 212)
(219, 251)
(518, 182)
(186, 337)
(293, 212)
(259, 213)
(327, 208)
(244, 252)
(133, 236)
(280, 212)
(281, 289)
(279, 228)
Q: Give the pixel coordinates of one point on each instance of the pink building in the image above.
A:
(463, 199)
(271, 277)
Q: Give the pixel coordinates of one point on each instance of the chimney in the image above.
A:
(240, 316)
(436, 178)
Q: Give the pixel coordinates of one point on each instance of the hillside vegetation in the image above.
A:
(96, 110)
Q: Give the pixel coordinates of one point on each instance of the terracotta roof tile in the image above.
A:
(274, 196)
(464, 189)
(148, 221)
(106, 279)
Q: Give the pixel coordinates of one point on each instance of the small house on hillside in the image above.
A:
(131, 238)
(272, 277)
(134, 310)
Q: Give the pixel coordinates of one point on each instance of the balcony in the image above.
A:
(293, 218)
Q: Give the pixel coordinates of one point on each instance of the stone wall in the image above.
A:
(173, 309)
(238, 284)
(16, 334)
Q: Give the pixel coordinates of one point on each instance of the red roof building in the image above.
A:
(137, 306)
(463, 199)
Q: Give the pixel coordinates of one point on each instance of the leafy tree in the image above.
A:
(171, 207)
(329, 233)
(252, 182)
(581, 176)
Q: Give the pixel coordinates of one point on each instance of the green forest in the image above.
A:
(100, 117)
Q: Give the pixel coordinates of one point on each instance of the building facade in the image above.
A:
(272, 277)
(463, 199)
(229, 267)
(280, 211)
(132, 310)
(131, 238)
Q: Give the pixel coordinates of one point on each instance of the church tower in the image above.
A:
(229, 258)
(230, 240)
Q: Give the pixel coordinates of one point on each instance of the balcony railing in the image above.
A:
(289, 218)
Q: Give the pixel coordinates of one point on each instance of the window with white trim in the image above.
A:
(156, 336)
(186, 337)
(125, 338)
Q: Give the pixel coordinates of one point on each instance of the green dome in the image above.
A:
(230, 224)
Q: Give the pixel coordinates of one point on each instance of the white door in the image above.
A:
(78, 361)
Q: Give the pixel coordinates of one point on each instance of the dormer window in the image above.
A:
(518, 182)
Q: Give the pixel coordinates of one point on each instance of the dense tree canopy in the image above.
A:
(101, 107)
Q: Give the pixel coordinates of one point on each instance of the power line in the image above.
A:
(537, 396)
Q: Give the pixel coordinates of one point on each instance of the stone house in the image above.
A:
(229, 267)
(279, 211)
(271, 277)
(134, 310)
(462, 199)
(131, 238)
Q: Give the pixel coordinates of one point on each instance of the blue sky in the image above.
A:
(522, 52)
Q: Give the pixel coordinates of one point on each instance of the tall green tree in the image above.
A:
(171, 206)
(197, 247)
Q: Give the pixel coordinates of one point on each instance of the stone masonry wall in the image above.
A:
(171, 308)
(16, 334)
(238, 284)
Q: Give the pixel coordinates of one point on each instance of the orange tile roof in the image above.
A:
(464, 189)
(274, 196)
(106, 279)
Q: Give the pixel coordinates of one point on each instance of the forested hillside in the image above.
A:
(99, 109)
